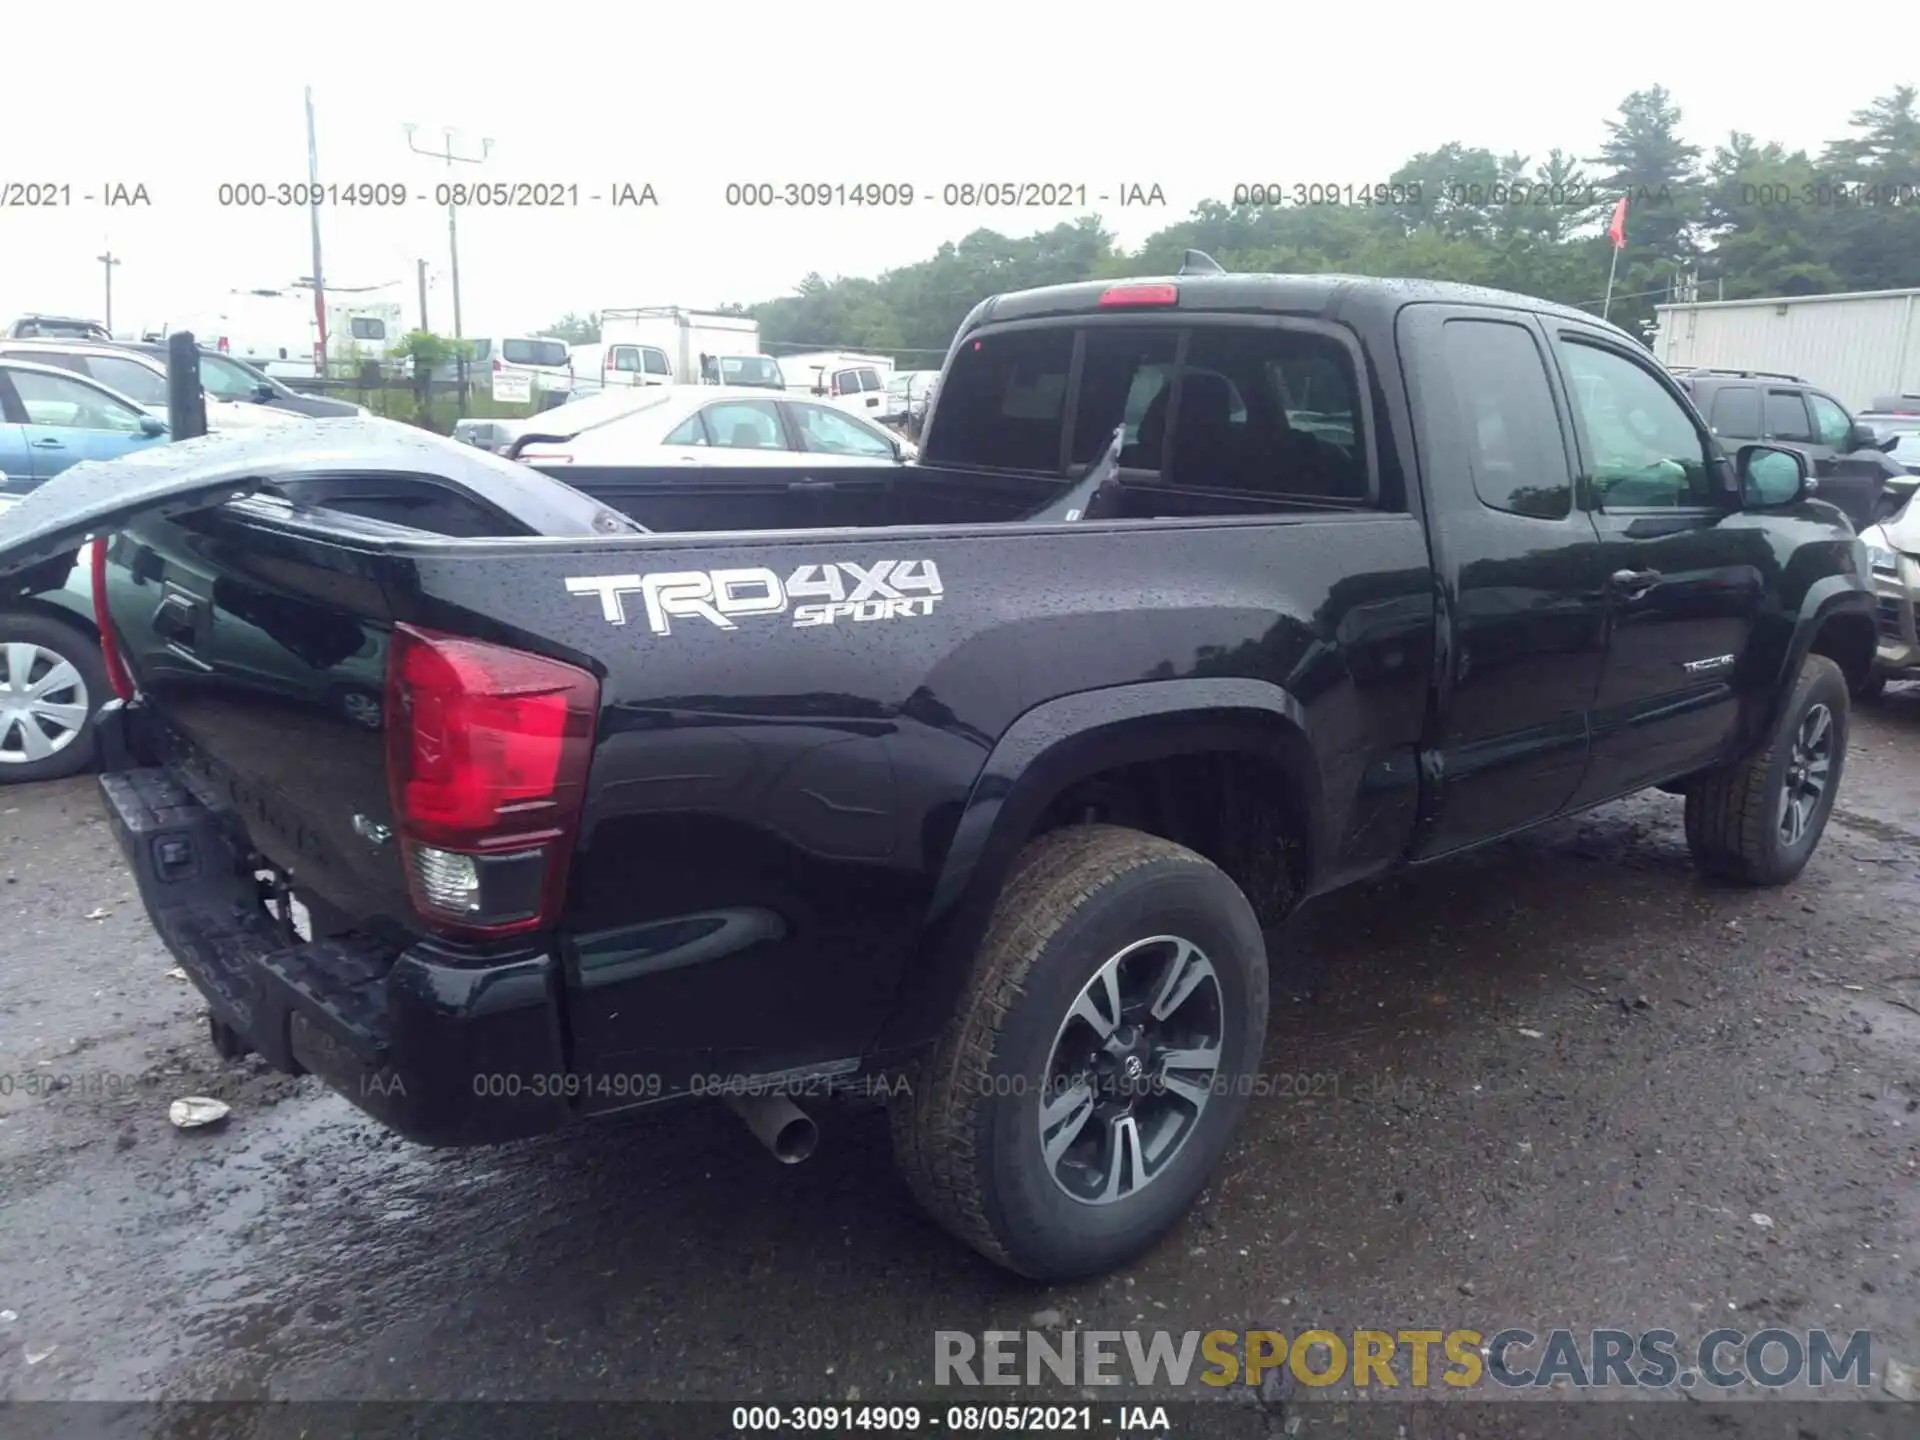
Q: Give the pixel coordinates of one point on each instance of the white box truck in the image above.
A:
(696, 347)
(1855, 346)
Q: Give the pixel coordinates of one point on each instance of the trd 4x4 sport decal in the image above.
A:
(884, 590)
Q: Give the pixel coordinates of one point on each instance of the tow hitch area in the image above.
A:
(407, 1035)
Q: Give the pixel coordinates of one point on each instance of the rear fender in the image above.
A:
(1044, 752)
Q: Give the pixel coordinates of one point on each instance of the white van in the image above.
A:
(521, 367)
(598, 366)
(853, 382)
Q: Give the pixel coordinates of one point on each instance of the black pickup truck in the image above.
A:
(499, 801)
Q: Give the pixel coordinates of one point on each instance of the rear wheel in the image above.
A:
(1757, 821)
(1100, 1060)
(52, 680)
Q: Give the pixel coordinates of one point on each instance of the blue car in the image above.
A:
(51, 676)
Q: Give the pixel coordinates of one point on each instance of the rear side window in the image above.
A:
(1003, 402)
(130, 378)
(533, 352)
(1512, 428)
(1787, 417)
(1736, 413)
(626, 360)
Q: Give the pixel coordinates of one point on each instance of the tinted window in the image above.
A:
(1125, 379)
(367, 327)
(1003, 402)
(48, 357)
(138, 383)
(1830, 422)
(1736, 413)
(654, 362)
(1236, 423)
(833, 432)
(745, 425)
(1512, 428)
(749, 370)
(1642, 447)
(1787, 417)
(534, 352)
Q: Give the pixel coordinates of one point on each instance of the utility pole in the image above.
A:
(319, 277)
(108, 261)
(452, 158)
(423, 293)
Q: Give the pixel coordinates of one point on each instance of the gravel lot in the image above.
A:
(1550, 1084)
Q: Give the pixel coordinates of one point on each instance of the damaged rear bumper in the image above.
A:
(443, 1046)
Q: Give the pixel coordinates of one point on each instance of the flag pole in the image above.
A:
(1612, 267)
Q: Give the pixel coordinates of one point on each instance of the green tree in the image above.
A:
(575, 329)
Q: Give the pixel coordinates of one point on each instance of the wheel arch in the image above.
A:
(1836, 619)
(1065, 743)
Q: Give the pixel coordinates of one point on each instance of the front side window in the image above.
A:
(654, 362)
(1830, 422)
(59, 400)
(225, 380)
(825, 431)
(137, 382)
(1642, 447)
(1505, 403)
(744, 425)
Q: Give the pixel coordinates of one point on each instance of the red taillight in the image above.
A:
(223, 345)
(110, 656)
(498, 365)
(487, 756)
(1140, 295)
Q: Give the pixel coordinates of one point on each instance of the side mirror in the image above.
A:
(152, 425)
(1771, 476)
(1862, 437)
(263, 392)
(1890, 444)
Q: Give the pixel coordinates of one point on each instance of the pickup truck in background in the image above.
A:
(987, 777)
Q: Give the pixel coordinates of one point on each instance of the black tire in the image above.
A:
(967, 1134)
(78, 648)
(1734, 814)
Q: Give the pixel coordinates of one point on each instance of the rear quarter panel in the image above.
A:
(772, 804)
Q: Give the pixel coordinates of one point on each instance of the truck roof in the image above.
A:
(1321, 295)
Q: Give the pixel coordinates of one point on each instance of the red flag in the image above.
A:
(1617, 231)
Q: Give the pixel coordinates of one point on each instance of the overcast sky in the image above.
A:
(1191, 98)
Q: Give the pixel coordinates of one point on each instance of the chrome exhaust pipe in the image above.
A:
(783, 1127)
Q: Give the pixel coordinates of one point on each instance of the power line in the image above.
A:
(453, 230)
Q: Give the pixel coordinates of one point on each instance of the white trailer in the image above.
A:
(1855, 346)
(685, 337)
(276, 330)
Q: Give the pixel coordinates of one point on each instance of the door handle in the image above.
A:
(1635, 583)
(51, 444)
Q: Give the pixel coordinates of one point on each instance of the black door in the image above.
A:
(1523, 567)
(1685, 573)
